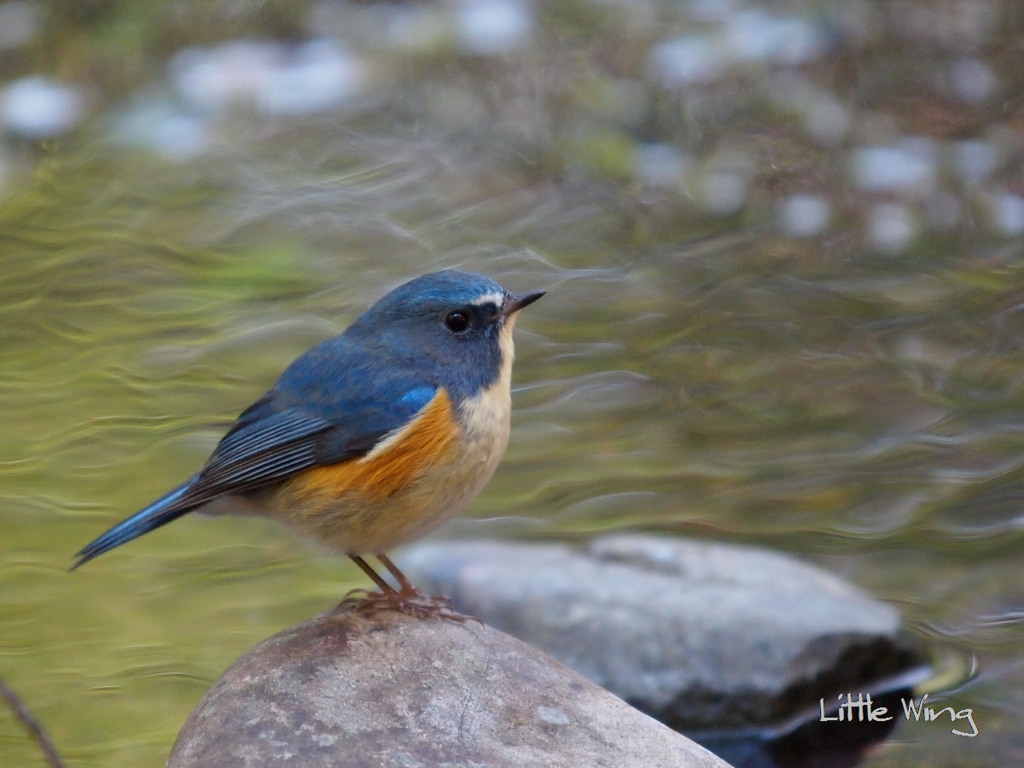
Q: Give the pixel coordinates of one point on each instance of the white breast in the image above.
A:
(486, 419)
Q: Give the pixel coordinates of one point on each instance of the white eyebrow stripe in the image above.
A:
(497, 299)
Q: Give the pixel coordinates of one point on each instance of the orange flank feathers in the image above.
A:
(393, 464)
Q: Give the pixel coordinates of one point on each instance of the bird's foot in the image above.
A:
(411, 602)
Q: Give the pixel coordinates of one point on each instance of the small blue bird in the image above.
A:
(373, 438)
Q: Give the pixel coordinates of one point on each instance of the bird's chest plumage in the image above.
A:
(410, 483)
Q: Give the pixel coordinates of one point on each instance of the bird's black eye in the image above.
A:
(457, 321)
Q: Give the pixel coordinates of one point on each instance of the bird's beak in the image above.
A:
(514, 303)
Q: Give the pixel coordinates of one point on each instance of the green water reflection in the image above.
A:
(839, 410)
(688, 374)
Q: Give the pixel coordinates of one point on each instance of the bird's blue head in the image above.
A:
(458, 324)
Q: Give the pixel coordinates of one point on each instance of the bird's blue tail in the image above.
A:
(162, 511)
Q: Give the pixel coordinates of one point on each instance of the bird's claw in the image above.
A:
(411, 602)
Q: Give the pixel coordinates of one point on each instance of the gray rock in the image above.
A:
(699, 635)
(383, 689)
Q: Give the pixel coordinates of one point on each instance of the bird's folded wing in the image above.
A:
(269, 443)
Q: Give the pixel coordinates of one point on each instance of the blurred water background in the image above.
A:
(783, 248)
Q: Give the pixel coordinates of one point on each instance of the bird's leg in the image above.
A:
(359, 597)
(385, 588)
(411, 601)
(407, 599)
(403, 581)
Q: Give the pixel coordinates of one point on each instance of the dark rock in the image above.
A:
(702, 636)
(383, 689)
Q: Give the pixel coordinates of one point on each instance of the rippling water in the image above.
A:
(862, 414)
(686, 374)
